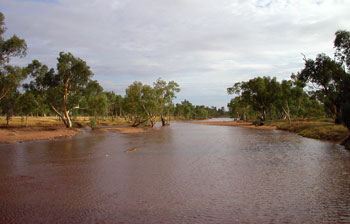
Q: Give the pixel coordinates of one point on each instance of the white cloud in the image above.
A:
(204, 45)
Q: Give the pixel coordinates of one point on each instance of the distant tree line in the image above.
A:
(267, 99)
(321, 88)
(187, 110)
(69, 91)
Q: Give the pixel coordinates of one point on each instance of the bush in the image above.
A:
(93, 123)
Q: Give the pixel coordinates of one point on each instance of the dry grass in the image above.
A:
(17, 122)
(324, 130)
(47, 127)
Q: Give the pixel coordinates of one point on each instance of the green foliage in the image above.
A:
(266, 98)
(115, 104)
(342, 47)
(187, 110)
(143, 103)
(93, 123)
(200, 113)
(328, 75)
(98, 105)
(27, 103)
(10, 76)
(8, 104)
(165, 93)
(332, 78)
(65, 88)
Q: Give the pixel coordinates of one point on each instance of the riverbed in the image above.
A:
(182, 173)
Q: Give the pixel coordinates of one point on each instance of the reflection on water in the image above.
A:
(182, 173)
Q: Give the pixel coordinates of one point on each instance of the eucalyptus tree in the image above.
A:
(38, 86)
(10, 76)
(27, 104)
(119, 101)
(239, 108)
(260, 93)
(65, 87)
(115, 104)
(133, 104)
(98, 105)
(328, 76)
(112, 104)
(200, 112)
(93, 100)
(186, 109)
(165, 92)
(149, 102)
(342, 53)
(332, 77)
(9, 104)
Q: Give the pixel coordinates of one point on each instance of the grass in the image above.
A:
(318, 129)
(53, 121)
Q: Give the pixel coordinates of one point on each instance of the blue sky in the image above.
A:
(205, 46)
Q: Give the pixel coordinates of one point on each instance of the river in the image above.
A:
(183, 173)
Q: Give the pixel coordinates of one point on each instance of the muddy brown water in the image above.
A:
(183, 173)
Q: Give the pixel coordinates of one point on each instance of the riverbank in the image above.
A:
(11, 135)
(40, 128)
(321, 130)
(235, 124)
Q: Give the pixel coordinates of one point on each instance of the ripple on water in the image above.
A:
(183, 173)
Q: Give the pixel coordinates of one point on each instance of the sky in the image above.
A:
(204, 45)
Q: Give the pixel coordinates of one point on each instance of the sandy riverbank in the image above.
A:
(235, 123)
(34, 133)
(17, 134)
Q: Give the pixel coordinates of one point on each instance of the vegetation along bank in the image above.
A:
(320, 91)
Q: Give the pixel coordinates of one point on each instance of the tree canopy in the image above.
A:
(10, 76)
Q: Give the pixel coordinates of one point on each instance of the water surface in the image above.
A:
(183, 173)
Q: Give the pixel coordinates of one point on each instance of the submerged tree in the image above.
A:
(134, 105)
(165, 94)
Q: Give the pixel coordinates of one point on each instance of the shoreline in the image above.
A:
(324, 131)
(21, 134)
(235, 124)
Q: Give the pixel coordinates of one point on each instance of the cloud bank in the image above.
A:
(204, 45)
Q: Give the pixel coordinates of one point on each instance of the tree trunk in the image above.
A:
(163, 120)
(59, 115)
(67, 118)
(7, 120)
(346, 142)
(287, 113)
(137, 123)
(68, 121)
